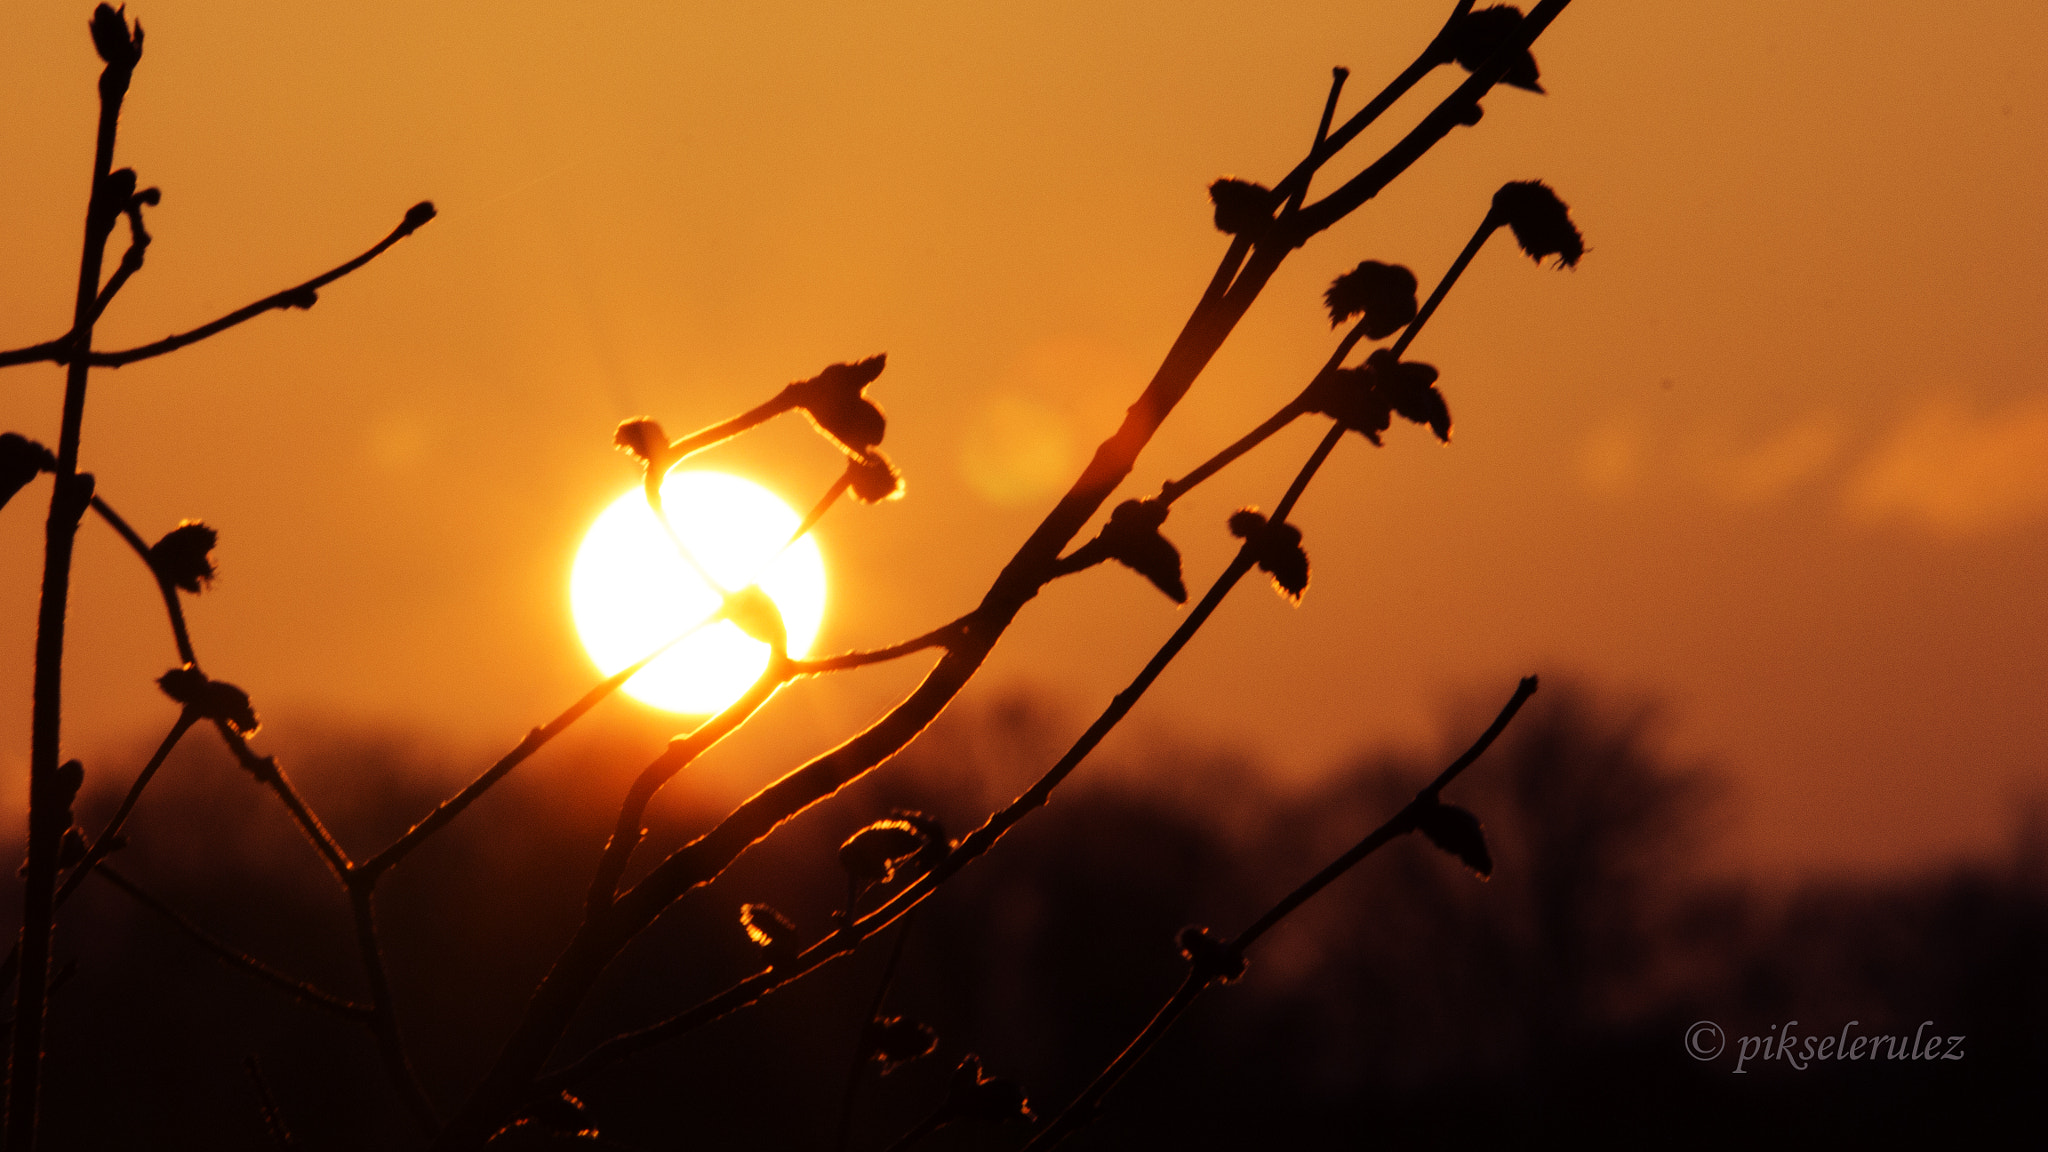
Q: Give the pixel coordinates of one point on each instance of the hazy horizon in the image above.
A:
(1775, 454)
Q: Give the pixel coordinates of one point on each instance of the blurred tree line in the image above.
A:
(1409, 1006)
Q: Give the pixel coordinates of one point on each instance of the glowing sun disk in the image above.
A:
(631, 591)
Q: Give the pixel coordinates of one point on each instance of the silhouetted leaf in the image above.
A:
(1383, 293)
(643, 439)
(1132, 538)
(872, 854)
(1482, 34)
(1457, 832)
(1350, 396)
(1541, 222)
(20, 460)
(72, 849)
(936, 843)
(211, 699)
(70, 778)
(1410, 389)
(1241, 206)
(895, 1041)
(113, 196)
(1212, 956)
(1276, 548)
(1364, 399)
(771, 932)
(183, 557)
(872, 478)
(975, 1095)
(834, 402)
(111, 37)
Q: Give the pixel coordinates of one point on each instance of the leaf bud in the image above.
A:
(183, 557)
(1541, 222)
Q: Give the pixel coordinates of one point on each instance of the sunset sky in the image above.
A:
(1775, 454)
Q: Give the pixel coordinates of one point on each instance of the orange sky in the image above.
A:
(1777, 451)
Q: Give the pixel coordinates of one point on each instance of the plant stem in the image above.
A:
(49, 809)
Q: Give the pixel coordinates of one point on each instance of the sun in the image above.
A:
(631, 591)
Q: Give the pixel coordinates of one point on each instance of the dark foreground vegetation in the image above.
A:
(1408, 1006)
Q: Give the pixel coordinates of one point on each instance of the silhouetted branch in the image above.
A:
(131, 260)
(47, 351)
(1226, 958)
(860, 1044)
(383, 1019)
(173, 609)
(50, 793)
(305, 992)
(1400, 824)
(108, 839)
(1451, 112)
(371, 870)
(680, 752)
(268, 771)
(274, 1126)
(941, 637)
(301, 296)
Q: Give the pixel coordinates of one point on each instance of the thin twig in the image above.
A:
(300, 989)
(941, 637)
(1199, 978)
(1173, 490)
(679, 754)
(384, 1017)
(301, 296)
(274, 1126)
(1400, 823)
(1448, 114)
(268, 771)
(371, 870)
(173, 609)
(107, 840)
(860, 1043)
(131, 260)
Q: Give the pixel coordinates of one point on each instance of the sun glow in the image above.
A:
(631, 591)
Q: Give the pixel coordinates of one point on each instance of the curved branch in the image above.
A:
(301, 296)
